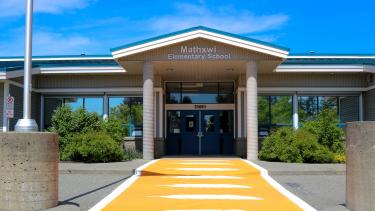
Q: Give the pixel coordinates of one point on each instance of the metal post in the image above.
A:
(295, 111)
(27, 124)
(105, 106)
(5, 118)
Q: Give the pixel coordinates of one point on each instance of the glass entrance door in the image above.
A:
(190, 132)
(210, 134)
(200, 132)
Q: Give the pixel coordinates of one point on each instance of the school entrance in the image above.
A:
(200, 132)
(196, 84)
(199, 118)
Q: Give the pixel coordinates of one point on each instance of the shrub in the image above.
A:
(274, 145)
(92, 147)
(325, 127)
(115, 129)
(131, 154)
(288, 145)
(66, 123)
(339, 158)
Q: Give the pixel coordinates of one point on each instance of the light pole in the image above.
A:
(26, 124)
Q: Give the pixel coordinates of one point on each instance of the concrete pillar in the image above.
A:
(148, 111)
(295, 111)
(28, 171)
(252, 110)
(360, 166)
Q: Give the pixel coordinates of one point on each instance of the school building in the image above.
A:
(198, 91)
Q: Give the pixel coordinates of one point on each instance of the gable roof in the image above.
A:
(200, 32)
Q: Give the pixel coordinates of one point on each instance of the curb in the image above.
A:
(296, 173)
(133, 171)
(112, 172)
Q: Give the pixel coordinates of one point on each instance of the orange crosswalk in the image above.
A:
(201, 185)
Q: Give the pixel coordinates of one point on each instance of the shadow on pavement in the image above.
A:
(68, 201)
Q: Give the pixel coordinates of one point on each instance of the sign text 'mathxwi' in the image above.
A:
(198, 53)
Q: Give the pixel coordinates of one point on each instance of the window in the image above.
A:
(308, 108)
(50, 105)
(94, 104)
(226, 121)
(199, 92)
(130, 111)
(209, 123)
(174, 122)
(91, 104)
(274, 112)
(174, 93)
(346, 107)
(74, 102)
(190, 123)
(349, 109)
(281, 110)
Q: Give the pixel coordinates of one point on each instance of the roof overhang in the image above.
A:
(200, 32)
(326, 68)
(59, 58)
(63, 70)
(81, 70)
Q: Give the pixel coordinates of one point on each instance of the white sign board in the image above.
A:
(199, 53)
(9, 109)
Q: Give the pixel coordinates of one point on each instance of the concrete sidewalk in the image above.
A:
(115, 168)
(82, 185)
(278, 168)
(274, 168)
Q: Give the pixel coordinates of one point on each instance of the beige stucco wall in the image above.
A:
(91, 81)
(88, 81)
(308, 80)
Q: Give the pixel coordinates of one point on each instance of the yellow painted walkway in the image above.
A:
(201, 185)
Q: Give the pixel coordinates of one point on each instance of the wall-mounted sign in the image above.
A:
(199, 53)
(9, 109)
(191, 124)
(200, 106)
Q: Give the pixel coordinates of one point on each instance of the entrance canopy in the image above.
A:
(200, 54)
(199, 50)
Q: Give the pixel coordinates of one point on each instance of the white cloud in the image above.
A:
(223, 18)
(47, 43)
(17, 7)
(55, 43)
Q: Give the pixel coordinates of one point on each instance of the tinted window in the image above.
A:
(200, 92)
(209, 123)
(226, 122)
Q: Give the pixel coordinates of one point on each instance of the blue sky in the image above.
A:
(94, 26)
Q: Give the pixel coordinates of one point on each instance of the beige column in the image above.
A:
(148, 111)
(252, 110)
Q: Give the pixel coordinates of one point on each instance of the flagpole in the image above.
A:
(26, 124)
